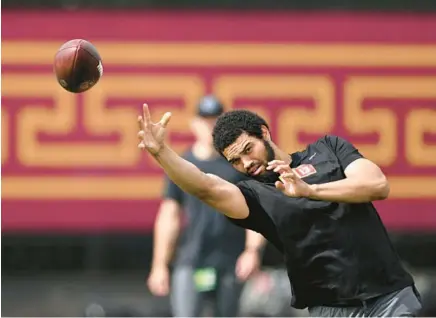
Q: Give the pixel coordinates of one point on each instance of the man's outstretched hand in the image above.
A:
(151, 135)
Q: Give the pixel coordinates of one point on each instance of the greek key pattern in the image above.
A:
(57, 145)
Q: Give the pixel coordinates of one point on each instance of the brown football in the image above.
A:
(78, 66)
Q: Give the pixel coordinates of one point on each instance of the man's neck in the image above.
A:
(203, 152)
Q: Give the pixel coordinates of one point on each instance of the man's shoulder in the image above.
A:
(243, 184)
(333, 144)
(248, 187)
(325, 143)
(331, 140)
(327, 139)
(249, 183)
(257, 189)
(317, 146)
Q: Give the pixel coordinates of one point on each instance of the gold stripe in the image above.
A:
(412, 187)
(241, 54)
(142, 188)
(82, 188)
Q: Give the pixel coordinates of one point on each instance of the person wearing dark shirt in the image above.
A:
(314, 205)
(212, 257)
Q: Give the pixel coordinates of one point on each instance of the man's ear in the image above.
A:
(265, 133)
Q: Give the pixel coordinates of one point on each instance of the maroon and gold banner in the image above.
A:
(71, 161)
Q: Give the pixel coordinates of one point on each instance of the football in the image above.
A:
(78, 66)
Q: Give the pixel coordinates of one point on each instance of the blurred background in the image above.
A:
(78, 199)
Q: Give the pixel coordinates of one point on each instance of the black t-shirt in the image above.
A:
(335, 253)
(209, 239)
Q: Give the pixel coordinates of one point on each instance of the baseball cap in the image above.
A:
(209, 106)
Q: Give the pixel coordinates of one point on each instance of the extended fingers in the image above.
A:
(140, 122)
(278, 166)
(280, 185)
(272, 165)
(282, 169)
(288, 177)
(141, 134)
(275, 163)
(146, 114)
(165, 119)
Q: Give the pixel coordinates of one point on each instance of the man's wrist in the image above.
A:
(313, 191)
(162, 149)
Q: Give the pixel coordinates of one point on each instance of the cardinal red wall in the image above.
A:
(70, 162)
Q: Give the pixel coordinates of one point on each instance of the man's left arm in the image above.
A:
(364, 182)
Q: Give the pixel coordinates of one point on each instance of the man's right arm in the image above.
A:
(211, 189)
(214, 191)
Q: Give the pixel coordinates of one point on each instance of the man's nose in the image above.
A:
(248, 163)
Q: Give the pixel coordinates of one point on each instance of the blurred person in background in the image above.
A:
(213, 257)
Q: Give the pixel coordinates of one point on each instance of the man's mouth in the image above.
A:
(256, 170)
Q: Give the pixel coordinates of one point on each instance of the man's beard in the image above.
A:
(268, 176)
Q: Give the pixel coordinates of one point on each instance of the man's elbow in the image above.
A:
(207, 192)
(203, 194)
(382, 189)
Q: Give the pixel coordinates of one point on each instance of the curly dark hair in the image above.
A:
(232, 124)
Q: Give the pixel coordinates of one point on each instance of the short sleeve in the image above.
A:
(172, 191)
(258, 219)
(344, 150)
(256, 216)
